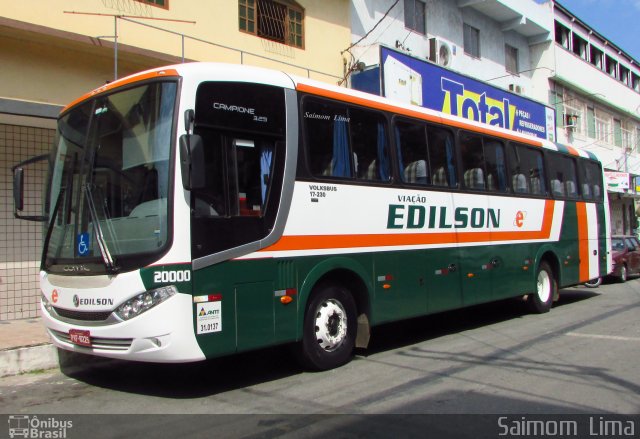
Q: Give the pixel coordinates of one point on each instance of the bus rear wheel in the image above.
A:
(541, 300)
(329, 330)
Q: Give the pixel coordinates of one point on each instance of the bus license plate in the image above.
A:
(80, 337)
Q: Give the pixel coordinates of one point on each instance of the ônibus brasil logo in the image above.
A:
(28, 426)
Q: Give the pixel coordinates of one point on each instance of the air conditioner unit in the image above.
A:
(516, 89)
(440, 52)
(570, 121)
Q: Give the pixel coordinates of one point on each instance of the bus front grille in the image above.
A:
(83, 316)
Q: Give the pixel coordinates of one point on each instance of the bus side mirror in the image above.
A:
(18, 189)
(192, 161)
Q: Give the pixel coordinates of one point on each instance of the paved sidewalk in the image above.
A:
(22, 333)
(25, 347)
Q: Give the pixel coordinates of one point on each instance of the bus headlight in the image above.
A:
(143, 302)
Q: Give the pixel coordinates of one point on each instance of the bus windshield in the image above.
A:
(108, 188)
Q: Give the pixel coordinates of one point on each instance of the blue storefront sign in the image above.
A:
(418, 82)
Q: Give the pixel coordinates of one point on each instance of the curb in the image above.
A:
(28, 359)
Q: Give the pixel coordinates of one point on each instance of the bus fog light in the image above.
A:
(46, 303)
(143, 302)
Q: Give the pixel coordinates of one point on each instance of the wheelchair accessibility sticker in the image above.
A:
(83, 244)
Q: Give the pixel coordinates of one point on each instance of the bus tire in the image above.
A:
(593, 283)
(623, 274)
(329, 329)
(541, 300)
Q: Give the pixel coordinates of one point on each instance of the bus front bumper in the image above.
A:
(163, 334)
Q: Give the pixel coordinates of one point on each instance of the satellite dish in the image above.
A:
(444, 55)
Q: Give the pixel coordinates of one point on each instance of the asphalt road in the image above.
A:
(583, 357)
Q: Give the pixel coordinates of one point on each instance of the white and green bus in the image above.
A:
(202, 209)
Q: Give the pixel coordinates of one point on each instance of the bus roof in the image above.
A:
(206, 71)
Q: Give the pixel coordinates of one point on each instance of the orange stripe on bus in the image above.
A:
(572, 150)
(121, 82)
(332, 94)
(583, 240)
(318, 242)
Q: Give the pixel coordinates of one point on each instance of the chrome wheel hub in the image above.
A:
(330, 325)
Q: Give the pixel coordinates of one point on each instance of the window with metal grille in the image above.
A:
(281, 21)
(160, 3)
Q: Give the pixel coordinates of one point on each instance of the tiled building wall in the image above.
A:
(21, 241)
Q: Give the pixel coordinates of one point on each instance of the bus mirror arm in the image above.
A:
(189, 121)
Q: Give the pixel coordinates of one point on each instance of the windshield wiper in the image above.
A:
(102, 245)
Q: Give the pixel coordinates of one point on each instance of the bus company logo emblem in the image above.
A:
(54, 296)
(202, 312)
(520, 217)
(92, 301)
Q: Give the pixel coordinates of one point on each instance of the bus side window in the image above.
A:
(562, 171)
(368, 133)
(441, 153)
(527, 171)
(326, 133)
(496, 166)
(473, 161)
(412, 152)
(590, 178)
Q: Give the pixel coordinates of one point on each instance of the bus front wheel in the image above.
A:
(541, 300)
(329, 331)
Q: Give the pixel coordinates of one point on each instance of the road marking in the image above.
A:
(603, 337)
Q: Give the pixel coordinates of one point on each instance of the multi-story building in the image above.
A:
(489, 40)
(594, 87)
(531, 49)
(51, 55)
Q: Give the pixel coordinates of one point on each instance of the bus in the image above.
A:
(203, 209)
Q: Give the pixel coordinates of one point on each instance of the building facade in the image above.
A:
(594, 87)
(535, 49)
(53, 53)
